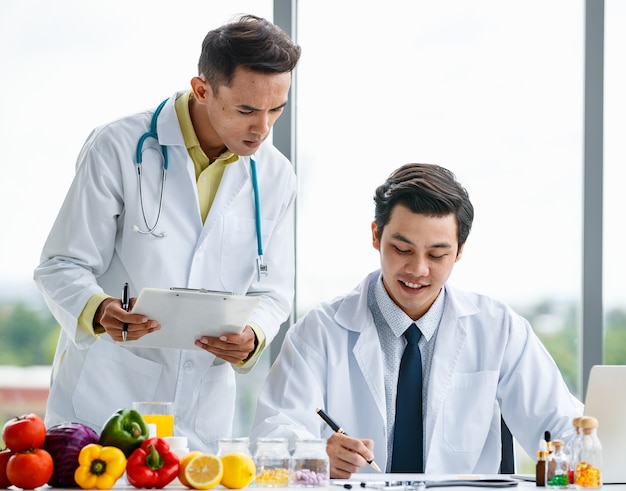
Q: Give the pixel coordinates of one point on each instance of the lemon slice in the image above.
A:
(239, 470)
(201, 471)
(183, 464)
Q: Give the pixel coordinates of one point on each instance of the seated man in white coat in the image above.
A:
(473, 359)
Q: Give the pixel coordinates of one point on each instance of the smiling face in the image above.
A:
(241, 115)
(417, 254)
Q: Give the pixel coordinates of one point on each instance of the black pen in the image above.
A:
(125, 306)
(338, 429)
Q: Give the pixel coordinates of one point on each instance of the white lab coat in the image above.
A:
(92, 248)
(486, 360)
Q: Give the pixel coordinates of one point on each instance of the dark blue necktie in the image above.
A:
(408, 446)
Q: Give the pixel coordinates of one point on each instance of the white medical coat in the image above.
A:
(92, 248)
(487, 362)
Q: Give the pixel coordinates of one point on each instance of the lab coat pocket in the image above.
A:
(215, 405)
(120, 379)
(468, 410)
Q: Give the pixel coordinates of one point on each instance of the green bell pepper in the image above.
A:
(125, 429)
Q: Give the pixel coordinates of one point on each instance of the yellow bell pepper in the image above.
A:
(99, 467)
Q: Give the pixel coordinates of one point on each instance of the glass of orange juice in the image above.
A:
(159, 413)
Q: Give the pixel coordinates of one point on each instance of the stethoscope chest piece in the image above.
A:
(261, 268)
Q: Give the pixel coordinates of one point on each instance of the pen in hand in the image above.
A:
(125, 306)
(338, 429)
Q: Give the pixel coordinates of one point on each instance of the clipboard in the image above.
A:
(187, 315)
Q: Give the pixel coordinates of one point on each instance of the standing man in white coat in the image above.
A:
(215, 222)
(480, 361)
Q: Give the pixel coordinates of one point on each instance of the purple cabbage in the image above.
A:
(64, 442)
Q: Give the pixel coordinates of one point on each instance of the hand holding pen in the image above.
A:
(339, 430)
(126, 307)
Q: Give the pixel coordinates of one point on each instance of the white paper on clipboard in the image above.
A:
(187, 315)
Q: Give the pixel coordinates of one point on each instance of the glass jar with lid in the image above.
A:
(310, 466)
(588, 473)
(237, 444)
(272, 461)
(572, 450)
(558, 466)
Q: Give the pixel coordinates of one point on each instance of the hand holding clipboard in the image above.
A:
(186, 315)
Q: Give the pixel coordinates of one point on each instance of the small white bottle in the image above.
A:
(178, 445)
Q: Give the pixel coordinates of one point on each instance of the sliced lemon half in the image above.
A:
(201, 471)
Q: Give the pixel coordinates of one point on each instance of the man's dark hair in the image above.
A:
(426, 189)
(249, 41)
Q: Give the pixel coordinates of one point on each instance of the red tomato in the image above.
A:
(30, 469)
(4, 459)
(24, 432)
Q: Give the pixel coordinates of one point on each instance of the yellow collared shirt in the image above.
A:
(208, 178)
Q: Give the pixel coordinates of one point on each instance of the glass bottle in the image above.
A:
(272, 461)
(228, 445)
(588, 473)
(540, 468)
(559, 466)
(310, 466)
(549, 458)
(573, 449)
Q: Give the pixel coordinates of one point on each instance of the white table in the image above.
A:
(337, 485)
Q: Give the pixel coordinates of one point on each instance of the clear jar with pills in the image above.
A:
(588, 473)
(229, 445)
(272, 461)
(310, 466)
(558, 467)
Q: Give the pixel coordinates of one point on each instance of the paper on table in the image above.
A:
(187, 315)
(396, 482)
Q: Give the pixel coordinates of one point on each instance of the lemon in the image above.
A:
(200, 470)
(183, 464)
(239, 470)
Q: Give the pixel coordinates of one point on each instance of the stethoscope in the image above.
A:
(152, 133)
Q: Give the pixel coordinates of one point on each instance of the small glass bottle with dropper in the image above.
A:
(540, 469)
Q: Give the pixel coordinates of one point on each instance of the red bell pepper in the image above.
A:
(152, 465)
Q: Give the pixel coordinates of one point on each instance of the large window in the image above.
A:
(614, 178)
(492, 90)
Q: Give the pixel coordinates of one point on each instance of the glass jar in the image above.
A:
(558, 466)
(228, 445)
(588, 473)
(310, 466)
(573, 450)
(272, 461)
